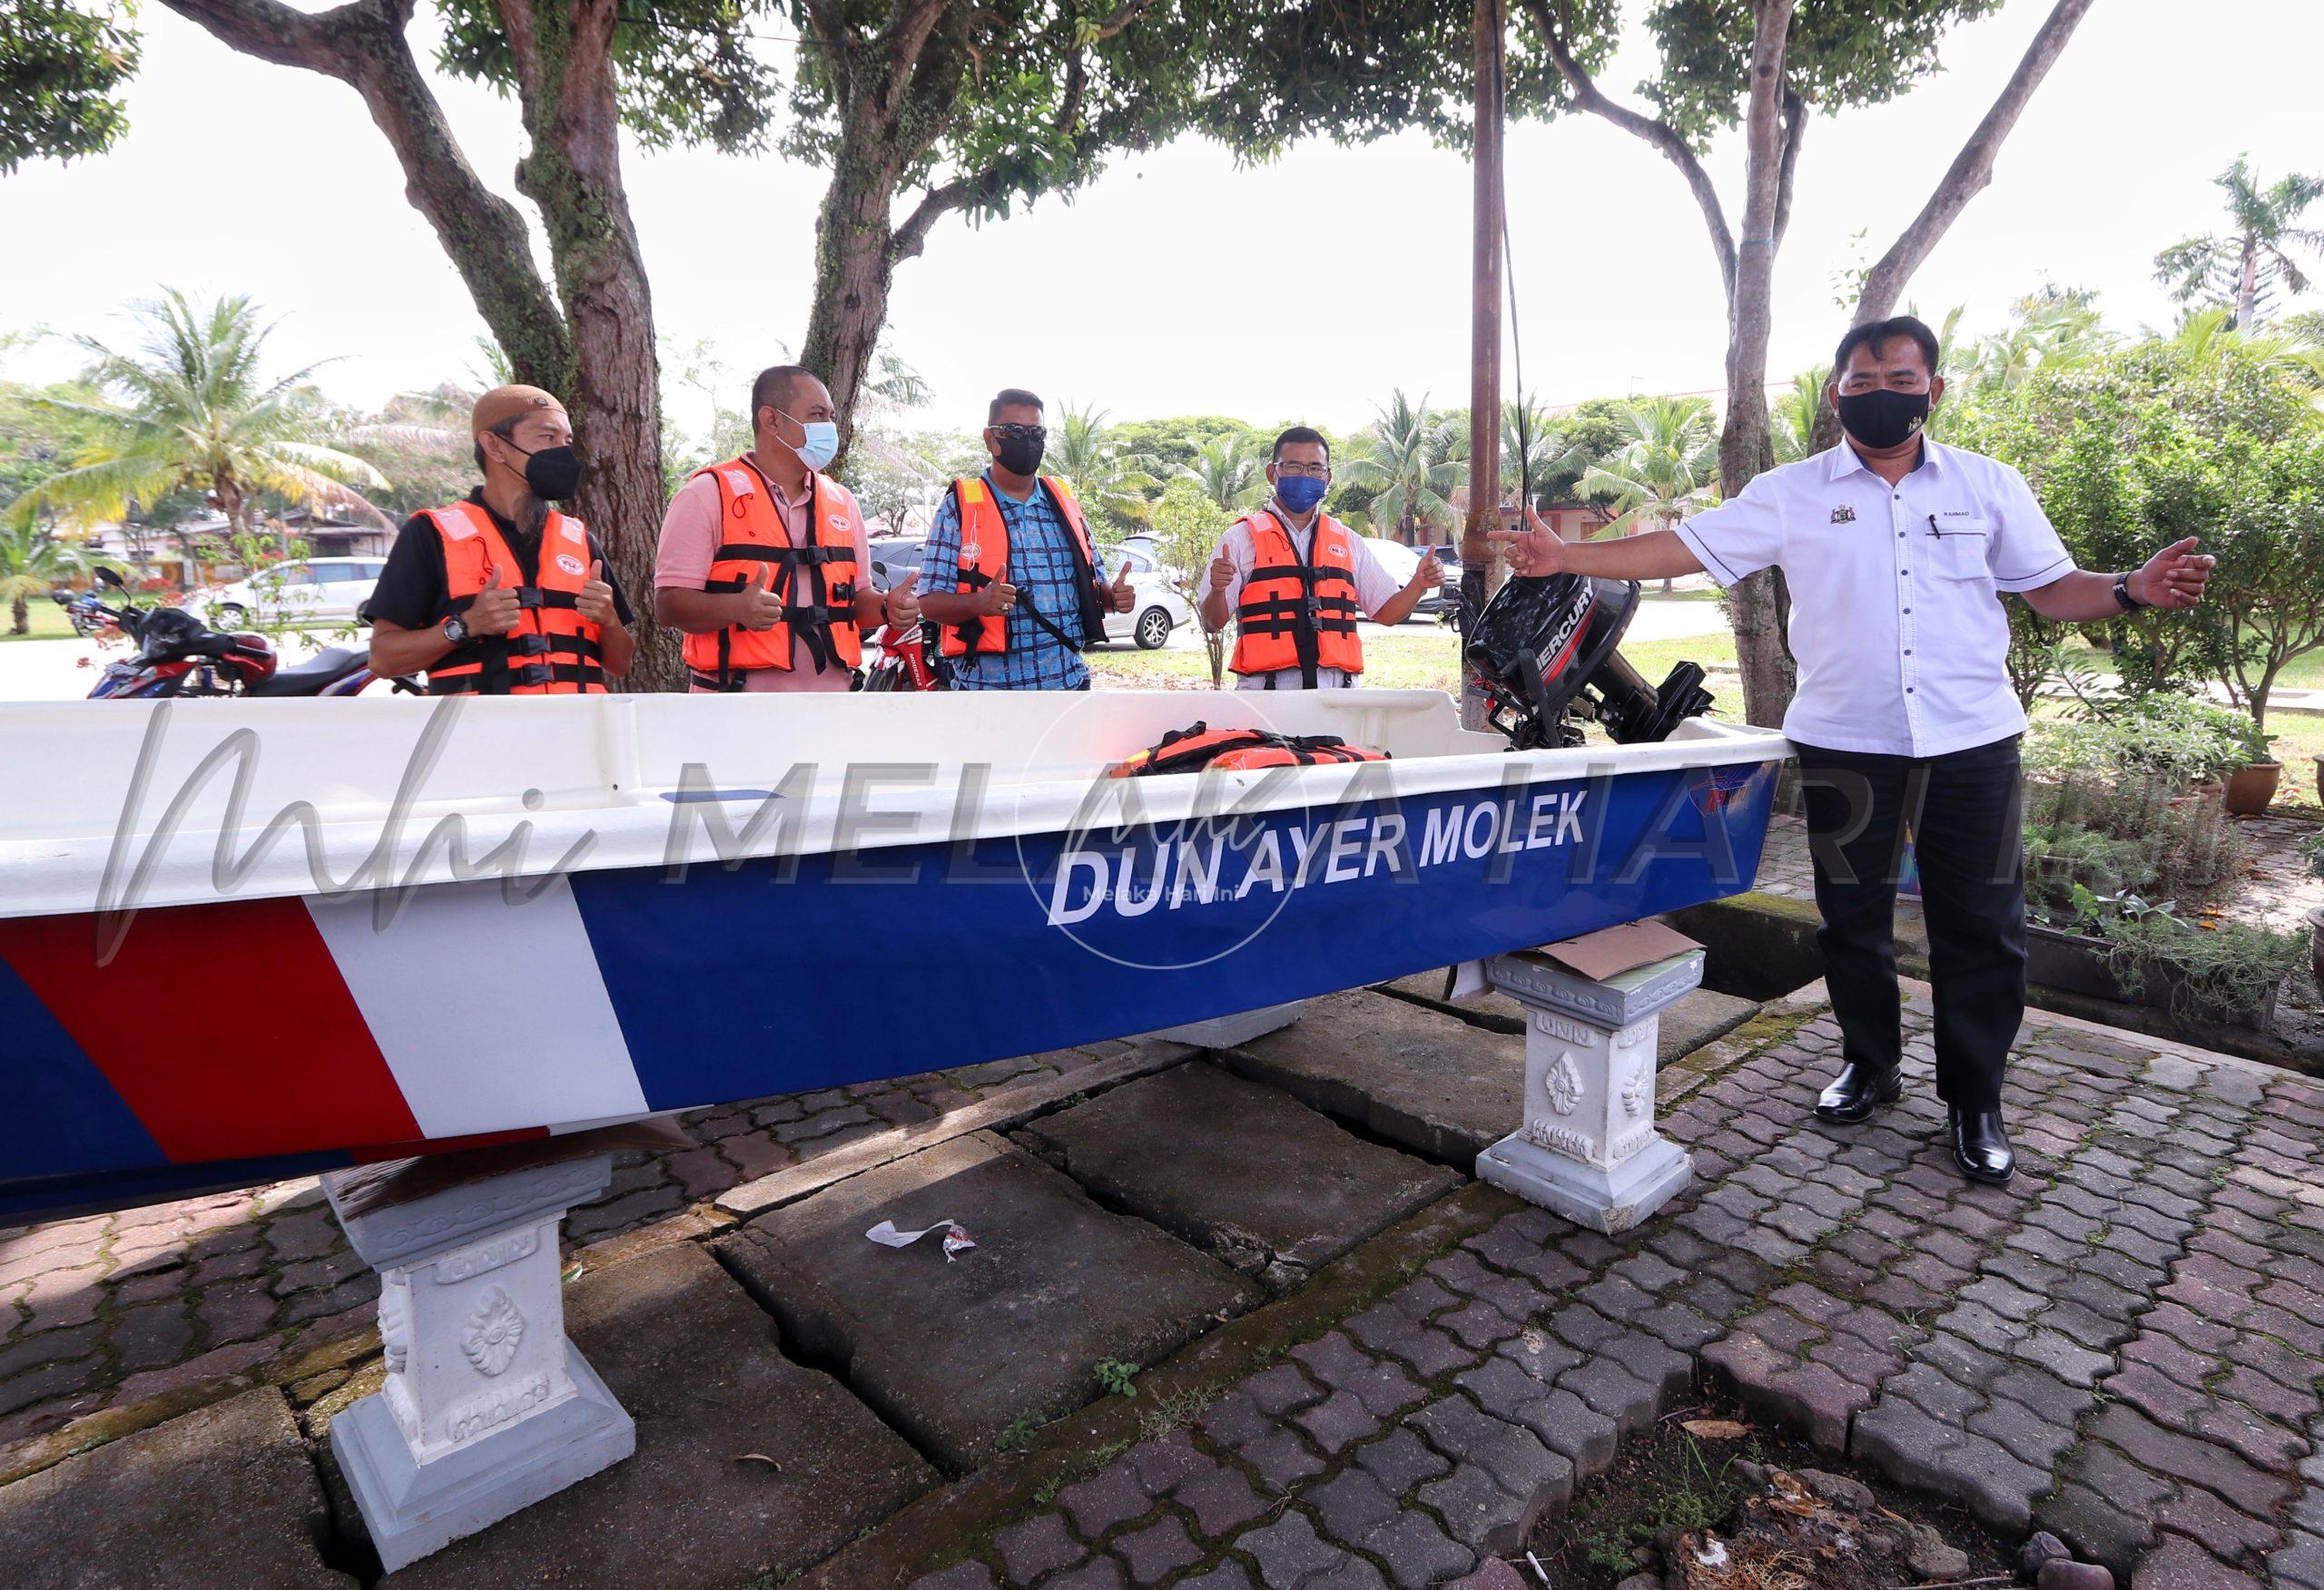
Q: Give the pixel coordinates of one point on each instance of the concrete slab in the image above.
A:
(225, 1494)
(1246, 1173)
(1703, 1015)
(1420, 1078)
(698, 1365)
(951, 1352)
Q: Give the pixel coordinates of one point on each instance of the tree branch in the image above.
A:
(1794, 131)
(1972, 168)
(363, 44)
(1660, 134)
(906, 36)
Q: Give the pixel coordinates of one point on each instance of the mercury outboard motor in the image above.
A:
(1542, 651)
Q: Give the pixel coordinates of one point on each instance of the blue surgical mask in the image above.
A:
(821, 444)
(1301, 492)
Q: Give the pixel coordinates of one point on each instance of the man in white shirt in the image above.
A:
(1897, 551)
(1295, 607)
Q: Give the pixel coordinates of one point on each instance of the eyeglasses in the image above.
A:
(1304, 471)
(1021, 433)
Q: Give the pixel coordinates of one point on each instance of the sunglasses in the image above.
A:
(1020, 433)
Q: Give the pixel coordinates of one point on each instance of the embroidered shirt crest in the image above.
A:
(1844, 515)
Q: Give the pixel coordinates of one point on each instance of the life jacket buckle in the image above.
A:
(530, 645)
(532, 674)
(528, 597)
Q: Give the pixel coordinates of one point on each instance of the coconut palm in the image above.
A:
(2049, 328)
(2208, 336)
(2244, 265)
(1231, 470)
(1533, 451)
(191, 410)
(1669, 463)
(33, 563)
(1411, 466)
(1110, 482)
(1791, 417)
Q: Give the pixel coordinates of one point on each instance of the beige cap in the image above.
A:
(503, 404)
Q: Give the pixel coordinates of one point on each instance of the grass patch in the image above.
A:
(48, 621)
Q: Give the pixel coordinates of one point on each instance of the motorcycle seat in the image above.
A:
(325, 667)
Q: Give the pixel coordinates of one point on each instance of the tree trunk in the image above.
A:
(2247, 285)
(20, 616)
(572, 172)
(855, 245)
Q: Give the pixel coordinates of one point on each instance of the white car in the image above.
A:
(294, 592)
(1159, 609)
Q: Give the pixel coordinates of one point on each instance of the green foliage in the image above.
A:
(1668, 464)
(684, 70)
(2188, 845)
(2062, 859)
(31, 563)
(1112, 483)
(1168, 445)
(2168, 735)
(2311, 851)
(190, 409)
(1018, 1434)
(2242, 267)
(1231, 471)
(63, 66)
(1116, 1378)
(1411, 459)
(2224, 969)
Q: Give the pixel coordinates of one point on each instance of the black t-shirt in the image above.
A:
(412, 590)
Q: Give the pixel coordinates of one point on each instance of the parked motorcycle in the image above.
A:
(177, 654)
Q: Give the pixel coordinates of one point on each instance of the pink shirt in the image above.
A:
(689, 545)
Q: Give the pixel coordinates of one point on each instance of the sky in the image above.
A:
(1177, 283)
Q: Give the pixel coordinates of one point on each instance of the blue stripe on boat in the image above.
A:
(60, 1114)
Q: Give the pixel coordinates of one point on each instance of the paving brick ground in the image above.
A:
(2124, 1347)
(112, 1308)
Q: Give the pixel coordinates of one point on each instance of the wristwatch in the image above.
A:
(456, 629)
(2123, 594)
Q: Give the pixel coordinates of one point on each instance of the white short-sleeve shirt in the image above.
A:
(1896, 621)
(1374, 586)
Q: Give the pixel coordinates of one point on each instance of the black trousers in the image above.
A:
(1963, 811)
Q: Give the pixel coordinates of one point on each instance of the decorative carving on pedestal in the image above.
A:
(1565, 1085)
(495, 1329)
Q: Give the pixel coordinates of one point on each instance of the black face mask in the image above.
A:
(1882, 419)
(553, 473)
(1021, 455)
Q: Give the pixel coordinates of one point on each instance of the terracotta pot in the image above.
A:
(2249, 789)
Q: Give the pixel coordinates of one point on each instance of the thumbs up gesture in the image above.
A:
(996, 598)
(1429, 574)
(494, 608)
(756, 608)
(596, 602)
(903, 603)
(1120, 597)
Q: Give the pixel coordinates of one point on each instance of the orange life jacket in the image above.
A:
(552, 650)
(984, 558)
(1296, 613)
(1199, 746)
(816, 583)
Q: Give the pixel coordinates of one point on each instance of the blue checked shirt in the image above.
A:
(1040, 566)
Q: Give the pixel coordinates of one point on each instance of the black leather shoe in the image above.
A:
(1981, 1149)
(1859, 1090)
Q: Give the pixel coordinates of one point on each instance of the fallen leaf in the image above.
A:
(1715, 1429)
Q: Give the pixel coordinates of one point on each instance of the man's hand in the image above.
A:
(903, 603)
(1119, 596)
(1429, 575)
(755, 607)
(495, 609)
(1222, 572)
(596, 602)
(2173, 577)
(996, 599)
(1532, 552)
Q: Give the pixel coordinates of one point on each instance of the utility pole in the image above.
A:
(1485, 320)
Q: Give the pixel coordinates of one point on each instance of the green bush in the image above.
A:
(2224, 970)
(2189, 843)
(2061, 855)
(2166, 733)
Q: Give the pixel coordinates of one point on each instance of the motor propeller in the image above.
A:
(1542, 651)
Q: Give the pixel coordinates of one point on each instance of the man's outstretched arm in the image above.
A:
(1658, 555)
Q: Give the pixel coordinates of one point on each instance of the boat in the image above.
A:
(241, 941)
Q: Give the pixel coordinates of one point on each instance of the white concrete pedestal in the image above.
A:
(1588, 1150)
(488, 1408)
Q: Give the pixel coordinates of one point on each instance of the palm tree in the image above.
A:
(33, 563)
(1410, 465)
(1532, 451)
(2208, 336)
(1110, 482)
(1231, 470)
(1669, 463)
(192, 412)
(2242, 266)
(2051, 327)
(1791, 419)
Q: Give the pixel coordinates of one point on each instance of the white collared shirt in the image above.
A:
(1897, 620)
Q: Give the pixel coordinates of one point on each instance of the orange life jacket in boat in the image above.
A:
(984, 558)
(1198, 746)
(552, 650)
(1298, 612)
(816, 583)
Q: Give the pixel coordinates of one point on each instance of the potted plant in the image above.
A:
(2227, 972)
(2251, 787)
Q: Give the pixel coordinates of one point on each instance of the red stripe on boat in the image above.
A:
(226, 1027)
(379, 1153)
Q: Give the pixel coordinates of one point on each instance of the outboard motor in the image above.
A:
(1542, 651)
